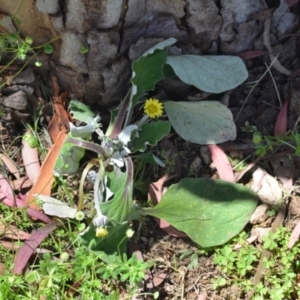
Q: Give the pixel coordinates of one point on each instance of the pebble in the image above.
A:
(17, 101)
(260, 214)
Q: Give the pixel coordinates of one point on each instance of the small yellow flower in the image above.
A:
(153, 108)
(101, 231)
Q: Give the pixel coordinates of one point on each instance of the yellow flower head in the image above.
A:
(101, 231)
(153, 108)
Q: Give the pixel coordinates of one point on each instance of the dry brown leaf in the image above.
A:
(2, 268)
(31, 161)
(21, 183)
(274, 61)
(10, 165)
(12, 232)
(294, 236)
(45, 180)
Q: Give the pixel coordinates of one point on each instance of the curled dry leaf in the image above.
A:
(45, 179)
(251, 54)
(30, 245)
(31, 161)
(10, 165)
(155, 194)
(12, 232)
(221, 163)
(294, 236)
(281, 121)
(275, 62)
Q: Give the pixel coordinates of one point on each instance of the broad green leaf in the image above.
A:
(150, 134)
(81, 112)
(68, 159)
(204, 122)
(212, 74)
(149, 158)
(147, 70)
(121, 208)
(210, 212)
(109, 244)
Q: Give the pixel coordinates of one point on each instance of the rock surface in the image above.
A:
(116, 30)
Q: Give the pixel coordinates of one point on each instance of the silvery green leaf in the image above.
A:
(125, 135)
(212, 74)
(204, 122)
(161, 45)
(54, 207)
(81, 112)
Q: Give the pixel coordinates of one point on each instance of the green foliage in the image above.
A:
(209, 211)
(12, 43)
(212, 74)
(281, 269)
(267, 144)
(204, 122)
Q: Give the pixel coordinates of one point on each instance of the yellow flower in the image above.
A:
(101, 231)
(153, 108)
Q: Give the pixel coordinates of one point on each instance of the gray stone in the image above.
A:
(104, 14)
(103, 48)
(260, 232)
(141, 46)
(25, 77)
(47, 6)
(75, 16)
(260, 214)
(16, 101)
(283, 20)
(6, 24)
(15, 88)
(70, 55)
(157, 7)
(204, 17)
(136, 10)
(71, 81)
(241, 10)
(267, 187)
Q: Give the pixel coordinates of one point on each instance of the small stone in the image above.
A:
(195, 165)
(205, 154)
(47, 6)
(267, 187)
(260, 232)
(25, 77)
(260, 214)
(16, 101)
(15, 88)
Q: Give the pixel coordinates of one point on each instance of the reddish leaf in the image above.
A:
(12, 232)
(251, 54)
(221, 163)
(21, 183)
(6, 193)
(9, 245)
(31, 161)
(2, 268)
(294, 236)
(291, 3)
(36, 214)
(281, 121)
(155, 193)
(45, 180)
(25, 252)
(10, 165)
